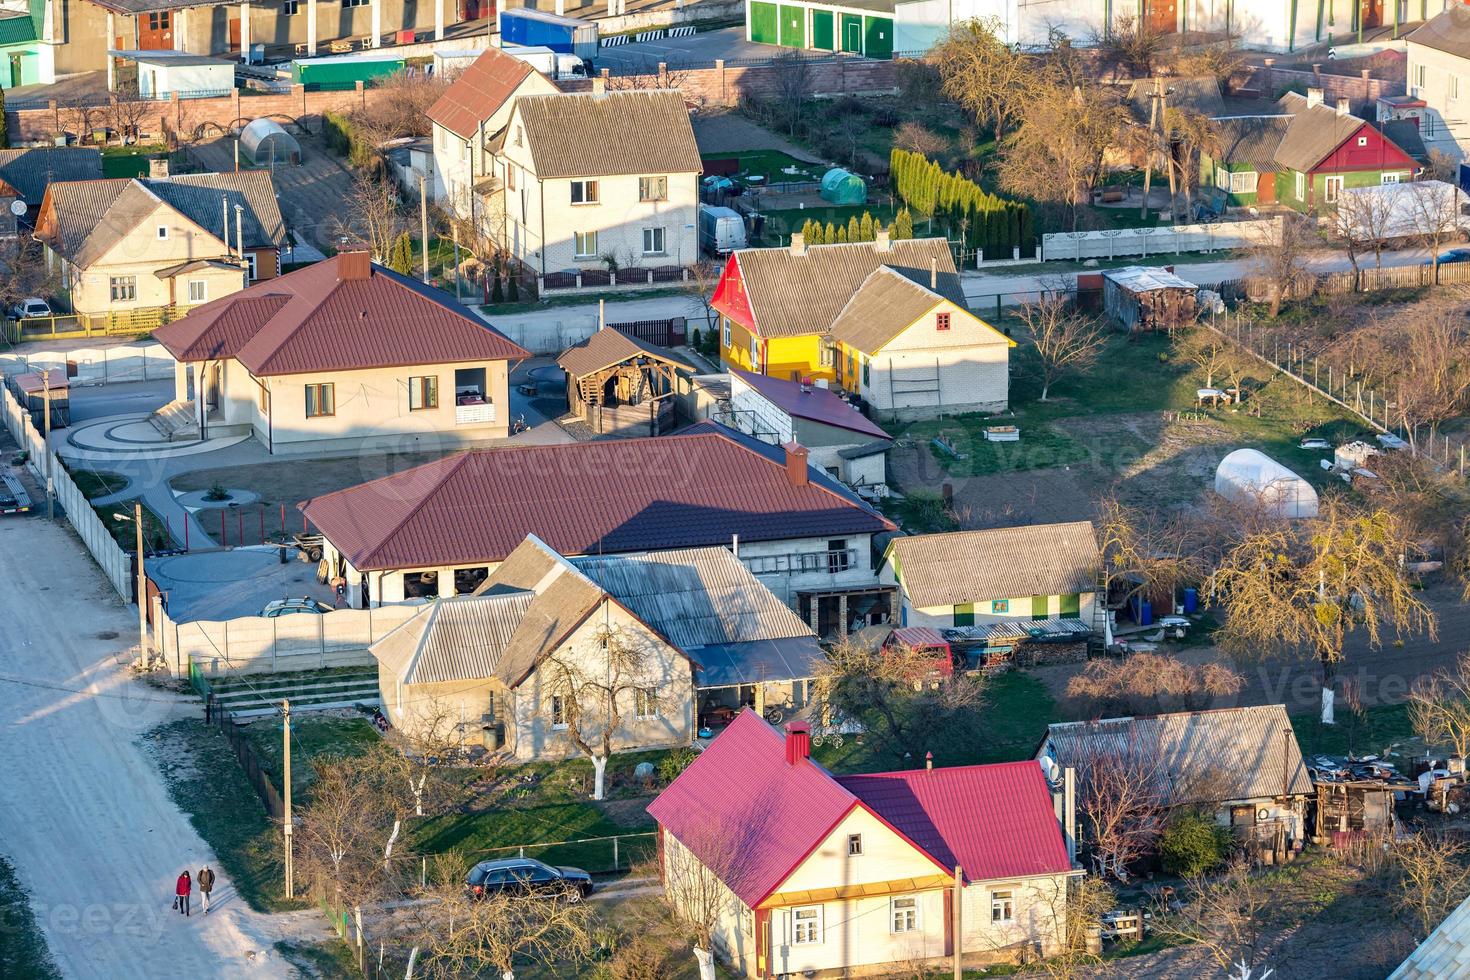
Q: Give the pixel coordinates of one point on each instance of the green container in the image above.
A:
(342, 72)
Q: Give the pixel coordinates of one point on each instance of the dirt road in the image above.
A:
(84, 815)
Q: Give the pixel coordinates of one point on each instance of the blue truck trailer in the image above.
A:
(540, 29)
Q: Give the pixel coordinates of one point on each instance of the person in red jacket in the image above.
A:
(181, 892)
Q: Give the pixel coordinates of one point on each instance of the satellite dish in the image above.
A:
(17, 207)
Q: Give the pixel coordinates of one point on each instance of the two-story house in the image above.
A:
(599, 180)
(137, 244)
(334, 354)
(850, 876)
(1439, 75)
(441, 528)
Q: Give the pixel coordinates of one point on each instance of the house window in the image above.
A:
(1244, 182)
(964, 614)
(355, 3)
(1392, 178)
(755, 353)
(1454, 86)
(854, 845)
(162, 233)
(838, 557)
(585, 243)
(806, 926)
(1000, 607)
(726, 321)
(290, 8)
(941, 321)
(825, 356)
(645, 702)
(122, 289)
(520, 135)
(265, 399)
(903, 914)
(423, 392)
(321, 400)
(747, 922)
(1070, 606)
(867, 376)
(1331, 189)
(198, 290)
(250, 266)
(653, 188)
(1002, 907)
(1419, 76)
(558, 713)
(584, 192)
(1301, 186)
(653, 241)
(510, 176)
(158, 21)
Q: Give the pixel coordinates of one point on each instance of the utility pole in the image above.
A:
(46, 444)
(286, 755)
(424, 223)
(142, 586)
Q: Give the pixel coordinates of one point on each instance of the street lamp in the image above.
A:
(137, 520)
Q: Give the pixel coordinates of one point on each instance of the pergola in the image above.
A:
(620, 384)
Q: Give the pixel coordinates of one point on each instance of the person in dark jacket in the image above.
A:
(181, 892)
(205, 878)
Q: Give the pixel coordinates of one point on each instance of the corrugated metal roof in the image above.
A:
(453, 639)
(799, 294)
(678, 491)
(1448, 32)
(1143, 279)
(314, 320)
(1251, 140)
(882, 308)
(1445, 954)
(479, 92)
(793, 658)
(1208, 756)
(607, 347)
(599, 135)
(993, 821)
(810, 402)
(956, 567)
(1198, 94)
(29, 170)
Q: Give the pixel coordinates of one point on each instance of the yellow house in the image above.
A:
(847, 876)
(777, 305)
(145, 244)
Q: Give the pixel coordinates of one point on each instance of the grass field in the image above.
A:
(97, 483)
(312, 735)
(776, 167)
(155, 532)
(128, 161)
(23, 951)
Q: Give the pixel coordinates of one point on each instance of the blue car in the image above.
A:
(1451, 257)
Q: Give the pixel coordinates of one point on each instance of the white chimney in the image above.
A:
(881, 241)
(1314, 96)
(934, 274)
(599, 85)
(1344, 107)
(798, 243)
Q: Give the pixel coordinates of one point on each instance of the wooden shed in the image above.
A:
(1143, 298)
(33, 393)
(622, 385)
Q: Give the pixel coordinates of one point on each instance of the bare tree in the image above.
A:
(374, 215)
(1122, 799)
(1072, 910)
(1310, 583)
(704, 278)
(1057, 154)
(1065, 339)
(793, 87)
(1149, 683)
(695, 887)
(1439, 707)
(1223, 914)
(1129, 45)
(1278, 262)
(1433, 878)
(918, 138)
(1189, 135)
(983, 74)
(1146, 554)
(1206, 349)
(1365, 221)
(126, 112)
(399, 107)
(342, 829)
(1436, 217)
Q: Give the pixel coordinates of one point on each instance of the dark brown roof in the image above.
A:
(629, 495)
(317, 319)
(479, 92)
(596, 135)
(608, 347)
(1251, 140)
(1449, 32)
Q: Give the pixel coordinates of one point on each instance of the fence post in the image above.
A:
(615, 853)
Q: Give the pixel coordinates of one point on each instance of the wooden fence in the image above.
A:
(120, 323)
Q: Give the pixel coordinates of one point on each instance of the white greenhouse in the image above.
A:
(1251, 475)
(266, 144)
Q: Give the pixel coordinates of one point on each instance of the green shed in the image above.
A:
(843, 187)
(343, 71)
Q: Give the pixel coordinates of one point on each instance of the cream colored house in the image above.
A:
(858, 875)
(1013, 574)
(147, 244)
(338, 356)
(601, 179)
(1439, 74)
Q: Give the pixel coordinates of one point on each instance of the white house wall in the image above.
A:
(970, 362)
(942, 617)
(1435, 76)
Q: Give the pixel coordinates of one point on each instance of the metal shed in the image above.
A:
(843, 187)
(266, 143)
(1144, 298)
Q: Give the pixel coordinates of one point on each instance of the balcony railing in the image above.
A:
(482, 413)
(830, 562)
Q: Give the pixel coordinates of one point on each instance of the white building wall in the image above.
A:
(970, 362)
(1443, 81)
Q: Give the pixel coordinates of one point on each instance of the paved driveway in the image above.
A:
(219, 585)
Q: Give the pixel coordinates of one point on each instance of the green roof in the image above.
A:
(17, 28)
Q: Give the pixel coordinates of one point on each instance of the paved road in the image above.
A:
(84, 814)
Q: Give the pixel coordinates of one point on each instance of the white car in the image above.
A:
(290, 607)
(31, 306)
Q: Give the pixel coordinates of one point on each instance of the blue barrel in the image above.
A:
(1145, 613)
(1191, 601)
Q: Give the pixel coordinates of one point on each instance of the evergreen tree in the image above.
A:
(865, 227)
(1028, 229)
(829, 234)
(497, 293)
(842, 236)
(1013, 226)
(4, 123)
(515, 288)
(400, 256)
(854, 230)
(903, 224)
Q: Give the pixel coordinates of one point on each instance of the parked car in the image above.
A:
(1451, 257)
(527, 876)
(31, 306)
(290, 607)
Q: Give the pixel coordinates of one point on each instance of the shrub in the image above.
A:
(675, 762)
(1192, 844)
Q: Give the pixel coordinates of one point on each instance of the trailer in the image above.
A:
(13, 497)
(552, 64)
(536, 28)
(344, 71)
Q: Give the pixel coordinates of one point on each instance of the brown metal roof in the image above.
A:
(598, 135)
(322, 318)
(628, 495)
(794, 294)
(479, 92)
(958, 567)
(607, 347)
(1449, 32)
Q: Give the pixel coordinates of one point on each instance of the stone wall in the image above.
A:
(1267, 80)
(722, 85)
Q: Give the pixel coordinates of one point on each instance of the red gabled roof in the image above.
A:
(326, 317)
(994, 821)
(478, 92)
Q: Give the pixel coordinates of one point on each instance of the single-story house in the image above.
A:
(857, 875)
(26, 172)
(334, 355)
(840, 439)
(422, 532)
(1149, 298)
(1244, 765)
(974, 578)
(621, 385)
(164, 74)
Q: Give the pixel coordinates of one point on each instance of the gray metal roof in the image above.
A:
(1449, 32)
(957, 567)
(1251, 140)
(455, 639)
(596, 135)
(1207, 756)
(29, 170)
(796, 658)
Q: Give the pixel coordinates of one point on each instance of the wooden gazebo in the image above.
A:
(621, 385)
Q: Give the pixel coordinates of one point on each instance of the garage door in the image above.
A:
(852, 33)
(878, 37)
(763, 23)
(822, 29)
(793, 26)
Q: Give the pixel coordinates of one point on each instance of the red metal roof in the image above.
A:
(325, 318)
(627, 495)
(994, 821)
(812, 403)
(747, 813)
(478, 92)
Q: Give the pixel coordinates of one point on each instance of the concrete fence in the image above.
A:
(257, 645)
(144, 361)
(115, 564)
(1113, 243)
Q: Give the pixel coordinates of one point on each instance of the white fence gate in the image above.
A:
(1116, 242)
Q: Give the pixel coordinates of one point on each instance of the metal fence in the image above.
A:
(250, 761)
(663, 333)
(1173, 239)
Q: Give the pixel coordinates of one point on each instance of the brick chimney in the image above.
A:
(798, 742)
(158, 169)
(599, 85)
(881, 241)
(353, 266)
(1344, 107)
(796, 470)
(798, 243)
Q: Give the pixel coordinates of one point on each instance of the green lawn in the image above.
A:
(312, 735)
(23, 948)
(1378, 728)
(773, 165)
(129, 161)
(155, 532)
(477, 836)
(97, 483)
